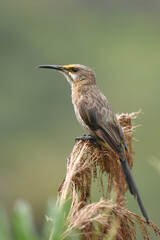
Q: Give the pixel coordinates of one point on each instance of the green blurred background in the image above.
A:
(120, 40)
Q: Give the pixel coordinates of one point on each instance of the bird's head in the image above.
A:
(75, 73)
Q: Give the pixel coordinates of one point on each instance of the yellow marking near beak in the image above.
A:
(67, 67)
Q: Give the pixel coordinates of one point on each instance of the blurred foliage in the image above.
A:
(22, 226)
(120, 41)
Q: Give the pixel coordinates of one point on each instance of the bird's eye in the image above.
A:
(75, 69)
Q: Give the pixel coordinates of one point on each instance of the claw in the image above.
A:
(91, 138)
(81, 138)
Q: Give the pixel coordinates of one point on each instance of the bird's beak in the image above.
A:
(57, 67)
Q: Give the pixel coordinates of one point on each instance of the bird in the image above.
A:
(96, 115)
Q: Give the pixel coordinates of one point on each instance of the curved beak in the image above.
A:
(57, 67)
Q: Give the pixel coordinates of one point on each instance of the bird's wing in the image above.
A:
(105, 125)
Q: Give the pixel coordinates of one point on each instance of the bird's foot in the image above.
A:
(95, 140)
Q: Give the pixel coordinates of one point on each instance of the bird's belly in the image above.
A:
(80, 120)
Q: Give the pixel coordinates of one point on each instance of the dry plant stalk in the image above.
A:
(99, 220)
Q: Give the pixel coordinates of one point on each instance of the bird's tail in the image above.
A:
(132, 186)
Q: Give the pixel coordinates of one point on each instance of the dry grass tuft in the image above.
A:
(102, 219)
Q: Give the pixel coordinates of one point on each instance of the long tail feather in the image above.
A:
(133, 187)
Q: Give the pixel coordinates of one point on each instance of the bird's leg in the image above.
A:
(91, 138)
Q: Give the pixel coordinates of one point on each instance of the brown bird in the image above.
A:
(96, 115)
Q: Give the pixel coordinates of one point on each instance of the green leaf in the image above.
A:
(23, 224)
(60, 220)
